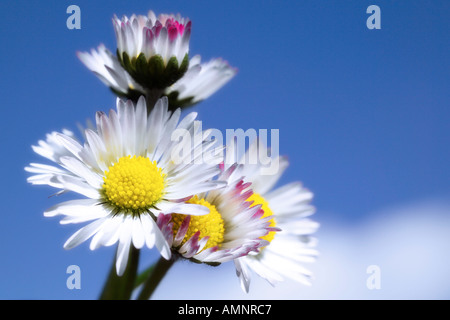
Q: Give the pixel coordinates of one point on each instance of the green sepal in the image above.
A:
(142, 66)
(155, 68)
(171, 73)
(212, 264)
(154, 73)
(184, 65)
(175, 103)
(126, 63)
(131, 94)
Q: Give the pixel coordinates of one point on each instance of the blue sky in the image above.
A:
(363, 114)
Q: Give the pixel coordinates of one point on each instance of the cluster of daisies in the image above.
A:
(135, 193)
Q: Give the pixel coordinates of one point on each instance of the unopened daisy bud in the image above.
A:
(153, 50)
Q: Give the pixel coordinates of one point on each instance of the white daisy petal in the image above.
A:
(107, 235)
(177, 193)
(77, 185)
(83, 234)
(181, 233)
(202, 80)
(138, 235)
(71, 207)
(42, 168)
(264, 271)
(183, 208)
(79, 169)
(45, 179)
(123, 251)
(161, 243)
(70, 144)
(110, 134)
(156, 126)
(243, 273)
(109, 70)
(97, 148)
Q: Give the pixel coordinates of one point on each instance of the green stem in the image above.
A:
(120, 288)
(157, 274)
(152, 97)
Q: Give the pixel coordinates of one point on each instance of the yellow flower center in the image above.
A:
(257, 199)
(133, 184)
(211, 224)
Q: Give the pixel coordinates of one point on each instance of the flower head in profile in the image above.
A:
(232, 229)
(153, 58)
(288, 207)
(153, 50)
(126, 174)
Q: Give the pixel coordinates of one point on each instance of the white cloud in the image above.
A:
(410, 244)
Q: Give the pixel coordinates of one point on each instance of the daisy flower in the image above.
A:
(152, 58)
(154, 50)
(127, 176)
(232, 229)
(288, 208)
